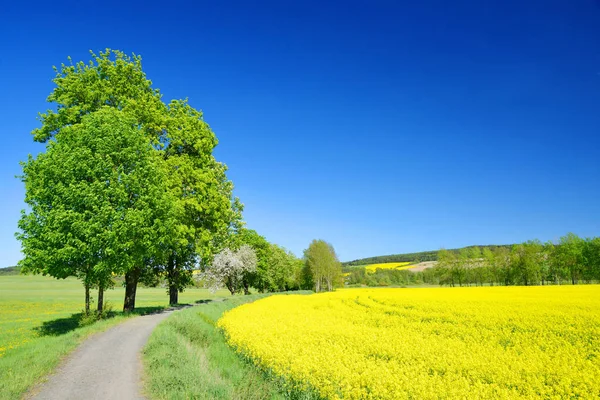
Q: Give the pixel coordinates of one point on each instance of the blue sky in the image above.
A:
(380, 126)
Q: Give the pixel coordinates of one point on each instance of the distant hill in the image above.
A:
(430, 255)
(10, 271)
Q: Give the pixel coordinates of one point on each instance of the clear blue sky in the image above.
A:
(380, 126)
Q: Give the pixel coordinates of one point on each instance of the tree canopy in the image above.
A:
(202, 211)
(96, 201)
(324, 266)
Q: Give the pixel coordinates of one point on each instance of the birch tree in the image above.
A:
(324, 266)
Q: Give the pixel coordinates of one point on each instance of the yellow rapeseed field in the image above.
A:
(398, 265)
(438, 343)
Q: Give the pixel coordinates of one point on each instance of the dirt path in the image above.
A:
(105, 366)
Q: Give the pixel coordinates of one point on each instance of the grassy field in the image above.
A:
(39, 324)
(455, 343)
(187, 357)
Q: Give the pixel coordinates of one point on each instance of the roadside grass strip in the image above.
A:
(187, 357)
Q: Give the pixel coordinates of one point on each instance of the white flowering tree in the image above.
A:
(228, 269)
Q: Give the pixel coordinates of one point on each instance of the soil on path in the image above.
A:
(105, 366)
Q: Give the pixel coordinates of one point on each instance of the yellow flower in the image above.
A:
(489, 343)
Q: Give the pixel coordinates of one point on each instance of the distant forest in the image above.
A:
(431, 255)
(10, 271)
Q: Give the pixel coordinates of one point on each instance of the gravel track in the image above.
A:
(105, 366)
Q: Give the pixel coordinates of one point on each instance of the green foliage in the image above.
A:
(572, 260)
(285, 269)
(383, 277)
(260, 279)
(183, 191)
(10, 271)
(408, 257)
(95, 197)
(203, 214)
(277, 269)
(323, 265)
(110, 79)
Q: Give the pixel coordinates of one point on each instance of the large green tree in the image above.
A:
(96, 199)
(205, 214)
(204, 211)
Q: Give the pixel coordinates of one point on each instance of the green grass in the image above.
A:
(187, 357)
(40, 324)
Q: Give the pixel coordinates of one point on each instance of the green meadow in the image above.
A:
(40, 322)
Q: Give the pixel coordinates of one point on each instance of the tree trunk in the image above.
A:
(131, 281)
(172, 281)
(246, 287)
(100, 299)
(173, 295)
(87, 298)
(230, 286)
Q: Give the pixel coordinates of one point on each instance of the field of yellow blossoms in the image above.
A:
(469, 343)
(371, 268)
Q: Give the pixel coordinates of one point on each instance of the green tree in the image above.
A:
(295, 277)
(591, 255)
(94, 196)
(491, 263)
(502, 259)
(284, 269)
(205, 213)
(446, 267)
(262, 278)
(324, 266)
(546, 262)
(569, 256)
(527, 259)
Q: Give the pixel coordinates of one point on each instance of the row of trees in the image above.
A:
(128, 186)
(571, 260)
(383, 277)
(271, 268)
(408, 257)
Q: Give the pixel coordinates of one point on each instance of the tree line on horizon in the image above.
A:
(571, 260)
(128, 186)
(431, 255)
